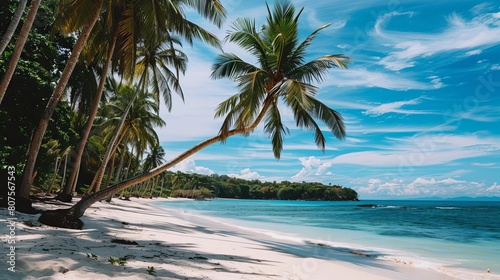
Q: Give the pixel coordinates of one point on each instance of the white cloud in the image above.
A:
(189, 166)
(393, 107)
(495, 67)
(362, 77)
(489, 164)
(315, 22)
(424, 150)
(426, 187)
(494, 189)
(473, 52)
(436, 81)
(343, 46)
(311, 168)
(246, 174)
(460, 35)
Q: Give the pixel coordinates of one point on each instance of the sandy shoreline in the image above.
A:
(179, 246)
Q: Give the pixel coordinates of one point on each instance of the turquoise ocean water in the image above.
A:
(436, 234)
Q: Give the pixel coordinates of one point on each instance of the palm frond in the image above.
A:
(316, 70)
(230, 66)
(330, 117)
(252, 87)
(245, 35)
(300, 51)
(73, 15)
(210, 9)
(275, 127)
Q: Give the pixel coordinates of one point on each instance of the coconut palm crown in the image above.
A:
(281, 74)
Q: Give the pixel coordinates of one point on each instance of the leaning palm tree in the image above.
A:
(85, 14)
(9, 32)
(21, 40)
(281, 77)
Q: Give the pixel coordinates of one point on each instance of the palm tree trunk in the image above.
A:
(110, 171)
(120, 166)
(96, 182)
(70, 218)
(147, 184)
(92, 115)
(21, 40)
(73, 188)
(64, 169)
(12, 26)
(56, 168)
(155, 184)
(161, 185)
(118, 171)
(25, 186)
(100, 173)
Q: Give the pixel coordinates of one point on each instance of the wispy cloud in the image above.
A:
(473, 52)
(495, 67)
(394, 107)
(362, 77)
(425, 150)
(470, 36)
(314, 22)
(424, 187)
(489, 164)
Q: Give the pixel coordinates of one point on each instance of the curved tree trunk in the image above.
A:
(88, 126)
(36, 141)
(21, 40)
(70, 218)
(18, 14)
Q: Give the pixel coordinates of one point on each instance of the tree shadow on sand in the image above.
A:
(69, 251)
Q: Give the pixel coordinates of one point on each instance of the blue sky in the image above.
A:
(420, 100)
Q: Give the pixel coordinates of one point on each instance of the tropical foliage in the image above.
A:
(206, 186)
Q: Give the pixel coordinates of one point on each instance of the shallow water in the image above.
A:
(437, 234)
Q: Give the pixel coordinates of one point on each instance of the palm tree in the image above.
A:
(147, 24)
(21, 40)
(155, 157)
(282, 75)
(12, 26)
(152, 67)
(139, 124)
(84, 14)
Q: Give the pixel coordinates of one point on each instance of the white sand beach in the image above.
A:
(179, 246)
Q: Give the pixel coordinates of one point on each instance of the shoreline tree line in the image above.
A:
(198, 186)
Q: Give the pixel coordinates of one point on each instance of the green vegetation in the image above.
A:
(119, 261)
(92, 256)
(151, 270)
(202, 186)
